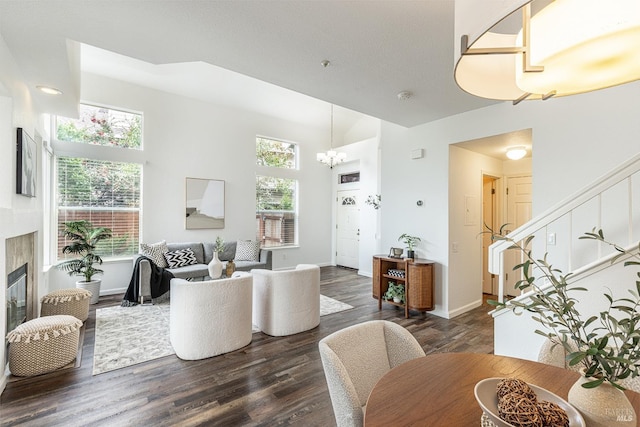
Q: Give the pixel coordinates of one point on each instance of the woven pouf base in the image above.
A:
(43, 345)
(74, 302)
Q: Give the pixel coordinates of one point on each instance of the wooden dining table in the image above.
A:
(437, 390)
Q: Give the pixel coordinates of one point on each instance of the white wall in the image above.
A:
(183, 138)
(576, 139)
(18, 214)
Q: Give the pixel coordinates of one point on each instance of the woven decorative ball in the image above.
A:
(553, 415)
(43, 345)
(74, 302)
(515, 385)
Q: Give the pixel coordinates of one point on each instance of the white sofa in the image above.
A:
(286, 302)
(210, 317)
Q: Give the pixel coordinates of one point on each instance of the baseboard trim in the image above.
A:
(464, 309)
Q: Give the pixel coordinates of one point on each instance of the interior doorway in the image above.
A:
(348, 229)
(490, 218)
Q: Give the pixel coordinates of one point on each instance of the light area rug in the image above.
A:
(127, 336)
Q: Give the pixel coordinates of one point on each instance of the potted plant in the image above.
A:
(410, 241)
(606, 346)
(395, 292)
(84, 238)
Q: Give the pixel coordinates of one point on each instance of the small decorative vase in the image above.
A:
(231, 267)
(602, 406)
(215, 267)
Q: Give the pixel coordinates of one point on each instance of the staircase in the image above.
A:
(611, 203)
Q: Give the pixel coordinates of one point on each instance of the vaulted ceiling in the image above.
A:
(249, 50)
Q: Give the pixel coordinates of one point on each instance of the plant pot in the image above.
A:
(397, 300)
(215, 267)
(411, 254)
(93, 286)
(602, 406)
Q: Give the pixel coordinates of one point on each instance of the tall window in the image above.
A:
(276, 196)
(102, 191)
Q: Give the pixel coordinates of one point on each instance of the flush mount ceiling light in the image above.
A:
(566, 48)
(331, 157)
(49, 90)
(516, 153)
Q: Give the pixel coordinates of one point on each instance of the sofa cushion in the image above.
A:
(155, 252)
(196, 247)
(190, 271)
(247, 250)
(180, 258)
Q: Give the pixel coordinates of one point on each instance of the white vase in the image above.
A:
(602, 406)
(215, 267)
(93, 286)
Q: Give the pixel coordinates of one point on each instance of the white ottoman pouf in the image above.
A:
(74, 302)
(43, 345)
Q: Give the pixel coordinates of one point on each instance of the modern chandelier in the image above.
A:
(558, 48)
(331, 157)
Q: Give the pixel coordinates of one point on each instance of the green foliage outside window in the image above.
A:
(102, 126)
(276, 154)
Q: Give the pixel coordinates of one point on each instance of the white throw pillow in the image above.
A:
(247, 250)
(156, 252)
(180, 258)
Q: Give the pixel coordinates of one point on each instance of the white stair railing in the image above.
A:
(608, 203)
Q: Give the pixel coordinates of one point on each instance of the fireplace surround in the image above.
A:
(20, 253)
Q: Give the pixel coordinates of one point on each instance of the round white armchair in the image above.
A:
(211, 317)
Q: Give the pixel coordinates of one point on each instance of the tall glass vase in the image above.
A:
(215, 267)
(602, 406)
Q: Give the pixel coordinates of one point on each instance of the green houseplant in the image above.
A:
(395, 292)
(606, 346)
(84, 238)
(411, 242)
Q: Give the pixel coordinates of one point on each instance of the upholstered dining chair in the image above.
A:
(286, 302)
(355, 358)
(210, 317)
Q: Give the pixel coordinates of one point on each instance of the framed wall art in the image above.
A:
(204, 203)
(26, 169)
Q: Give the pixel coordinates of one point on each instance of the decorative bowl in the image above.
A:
(485, 392)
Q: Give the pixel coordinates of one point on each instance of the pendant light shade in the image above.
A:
(566, 47)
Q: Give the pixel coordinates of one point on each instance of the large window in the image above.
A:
(276, 196)
(98, 189)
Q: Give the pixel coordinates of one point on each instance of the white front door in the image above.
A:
(518, 212)
(348, 229)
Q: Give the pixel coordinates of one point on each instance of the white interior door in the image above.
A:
(518, 196)
(348, 229)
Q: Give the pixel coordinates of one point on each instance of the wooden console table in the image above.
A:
(417, 280)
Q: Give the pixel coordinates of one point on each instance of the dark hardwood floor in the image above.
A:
(273, 381)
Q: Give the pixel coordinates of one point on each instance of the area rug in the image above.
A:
(127, 336)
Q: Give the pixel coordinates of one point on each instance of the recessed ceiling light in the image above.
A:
(49, 90)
